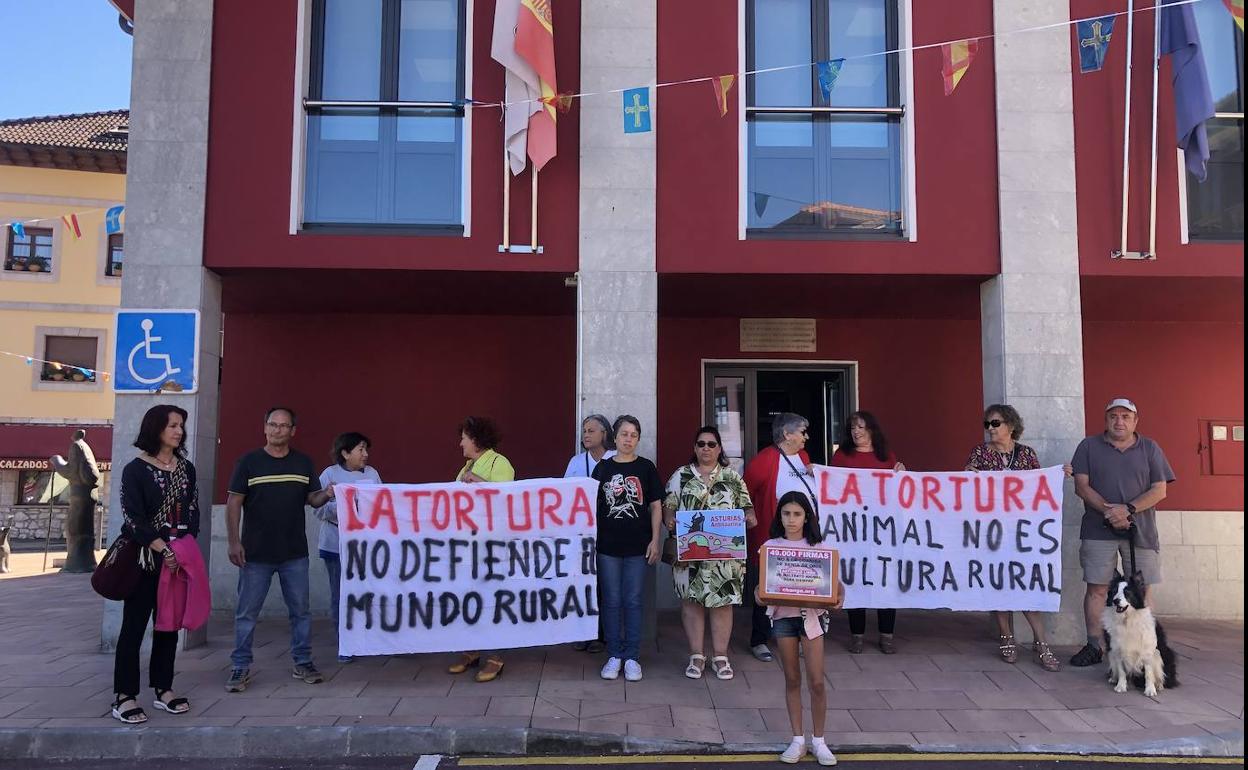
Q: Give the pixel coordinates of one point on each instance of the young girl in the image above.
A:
(795, 526)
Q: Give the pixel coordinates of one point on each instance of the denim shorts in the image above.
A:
(784, 628)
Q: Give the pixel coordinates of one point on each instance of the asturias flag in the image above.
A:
(535, 42)
(1093, 36)
(956, 58)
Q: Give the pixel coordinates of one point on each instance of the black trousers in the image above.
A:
(139, 610)
(760, 624)
(886, 619)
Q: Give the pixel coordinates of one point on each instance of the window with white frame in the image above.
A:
(115, 255)
(385, 114)
(823, 164)
(1215, 207)
(29, 252)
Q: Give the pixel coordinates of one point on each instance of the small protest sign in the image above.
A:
(710, 535)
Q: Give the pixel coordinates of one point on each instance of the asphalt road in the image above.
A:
(673, 762)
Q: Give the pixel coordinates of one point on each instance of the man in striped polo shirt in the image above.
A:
(268, 491)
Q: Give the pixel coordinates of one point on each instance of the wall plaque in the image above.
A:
(786, 335)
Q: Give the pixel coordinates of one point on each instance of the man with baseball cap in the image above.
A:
(1120, 476)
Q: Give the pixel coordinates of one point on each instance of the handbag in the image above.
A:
(118, 573)
(669, 551)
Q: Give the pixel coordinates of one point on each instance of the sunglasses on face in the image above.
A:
(993, 424)
(706, 444)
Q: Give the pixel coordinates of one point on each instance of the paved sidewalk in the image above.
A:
(945, 690)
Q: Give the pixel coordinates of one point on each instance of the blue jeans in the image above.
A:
(333, 568)
(621, 580)
(254, 580)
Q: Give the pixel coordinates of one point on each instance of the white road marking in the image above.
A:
(427, 762)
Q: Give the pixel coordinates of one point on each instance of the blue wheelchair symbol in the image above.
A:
(156, 351)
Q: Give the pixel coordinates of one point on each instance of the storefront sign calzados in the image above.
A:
(29, 464)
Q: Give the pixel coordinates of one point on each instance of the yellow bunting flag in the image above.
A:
(956, 59)
(722, 85)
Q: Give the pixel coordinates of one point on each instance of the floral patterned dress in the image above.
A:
(709, 583)
(985, 458)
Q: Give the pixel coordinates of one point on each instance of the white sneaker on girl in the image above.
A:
(796, 750)
(822, 752)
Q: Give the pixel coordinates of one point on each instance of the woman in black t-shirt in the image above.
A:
(630, 517)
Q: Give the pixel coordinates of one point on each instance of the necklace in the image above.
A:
(165, 464)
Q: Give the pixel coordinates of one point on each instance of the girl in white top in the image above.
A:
(796, 525)
(598, 443)
(351, 466)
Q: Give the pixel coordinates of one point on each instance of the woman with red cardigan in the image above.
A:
(782, 467)
(863, 445)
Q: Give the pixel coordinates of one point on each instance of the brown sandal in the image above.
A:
(1008, 649)
(1045, 658)
(491, 670)
(466, 661)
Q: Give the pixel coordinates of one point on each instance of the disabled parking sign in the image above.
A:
(157, 350)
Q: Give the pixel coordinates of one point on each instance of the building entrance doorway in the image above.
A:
(742, 399)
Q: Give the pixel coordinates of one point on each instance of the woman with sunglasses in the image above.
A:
(1002, 452)
(707, 587)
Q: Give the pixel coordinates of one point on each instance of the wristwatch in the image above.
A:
(167, 553)
(1130, 509)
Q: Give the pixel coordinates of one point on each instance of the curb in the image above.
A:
(381, 741)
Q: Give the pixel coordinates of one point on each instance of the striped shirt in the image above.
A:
(274, 491)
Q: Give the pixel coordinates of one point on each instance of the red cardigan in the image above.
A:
(760, 479)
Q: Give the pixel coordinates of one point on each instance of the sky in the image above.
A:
(62, 56)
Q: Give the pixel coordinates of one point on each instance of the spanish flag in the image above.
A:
(956, 59)
(535, 43)
(722, 85)
(1236, 7)
(71, 225)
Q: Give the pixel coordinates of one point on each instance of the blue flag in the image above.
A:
(637, 110)
(1093, 35)
(19, 230)
(828, 71)
(112, 219)
(1193, 101)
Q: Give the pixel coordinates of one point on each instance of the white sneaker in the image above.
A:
(632, 671)
(611, 669)
(794, 753)
(824, 754)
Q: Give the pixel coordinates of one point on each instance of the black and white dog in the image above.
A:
(1135, 641)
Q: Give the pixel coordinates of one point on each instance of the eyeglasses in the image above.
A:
(993, 424)
(706, 444)
(279, 425)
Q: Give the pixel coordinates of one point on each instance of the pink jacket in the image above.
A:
(183, 599)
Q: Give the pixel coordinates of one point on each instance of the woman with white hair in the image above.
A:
(776, 470)
(598, 441)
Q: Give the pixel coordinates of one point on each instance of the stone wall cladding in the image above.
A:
(1202, 564)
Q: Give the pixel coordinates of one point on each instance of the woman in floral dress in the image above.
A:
(707, 587)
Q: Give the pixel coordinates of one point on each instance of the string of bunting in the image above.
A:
(69, 369)
(1093, 33)
(112, 222)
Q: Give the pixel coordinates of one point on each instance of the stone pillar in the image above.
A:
(617, 313)
(165, 188)
(1030, 314)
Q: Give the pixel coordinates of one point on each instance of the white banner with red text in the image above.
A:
(461, 567)
(962, 541)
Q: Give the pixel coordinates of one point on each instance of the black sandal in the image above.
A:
(132, 716)
(174, 706)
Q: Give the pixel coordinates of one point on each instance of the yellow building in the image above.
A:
(59, 287)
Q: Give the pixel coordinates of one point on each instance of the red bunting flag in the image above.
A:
(1236, 7)
(956, 59)
(71, 224)
(722, 85)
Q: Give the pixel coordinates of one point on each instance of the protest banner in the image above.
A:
(446, 567)
(710, 535)
(962, 541)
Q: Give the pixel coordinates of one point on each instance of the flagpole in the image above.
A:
(1126, 134)
(506, 198)
(534, 215)
(1152, 156)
